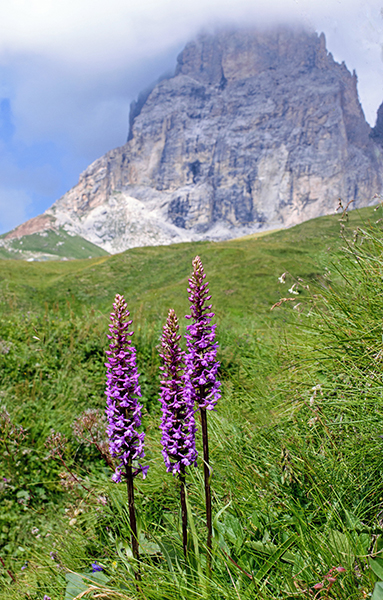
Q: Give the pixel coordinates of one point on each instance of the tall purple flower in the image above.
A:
(123, 409)
(122, 390)
(201, 382)
(201, 364)
(177, 424)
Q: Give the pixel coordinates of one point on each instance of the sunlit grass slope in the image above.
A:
(49, 245)
(243, 273)
(296, 441)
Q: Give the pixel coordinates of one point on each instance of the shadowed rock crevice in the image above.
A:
(377, 131)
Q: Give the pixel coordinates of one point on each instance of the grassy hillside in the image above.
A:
(296, 440)
(49, 245)
(243, 273)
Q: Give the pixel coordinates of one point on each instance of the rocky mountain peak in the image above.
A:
(255, 130)
(240, 54)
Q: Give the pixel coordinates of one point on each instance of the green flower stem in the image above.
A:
(132, 519)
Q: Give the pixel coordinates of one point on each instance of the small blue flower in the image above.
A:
(96, 567)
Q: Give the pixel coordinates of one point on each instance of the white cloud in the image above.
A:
(71, 59)
(92, 33)
(80, 31)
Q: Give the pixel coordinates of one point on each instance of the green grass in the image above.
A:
(243, 273)
(296, 440)
(49, 245)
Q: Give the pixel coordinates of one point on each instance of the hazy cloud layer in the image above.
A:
(69, 69)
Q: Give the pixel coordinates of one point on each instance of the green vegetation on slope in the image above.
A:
(296, 440)
(243, 273)
(49, 245)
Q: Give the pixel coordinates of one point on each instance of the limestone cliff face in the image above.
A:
(255, 130)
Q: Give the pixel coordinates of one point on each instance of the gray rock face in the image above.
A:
(256, 130)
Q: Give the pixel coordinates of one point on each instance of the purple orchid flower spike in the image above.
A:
(122, 390)
(201, 381)
(123, 409)
(201, 364)
(178, 423)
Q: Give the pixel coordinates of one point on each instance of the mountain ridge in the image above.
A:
(256, 130)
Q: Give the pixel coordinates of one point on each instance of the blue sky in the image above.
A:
(70, 68)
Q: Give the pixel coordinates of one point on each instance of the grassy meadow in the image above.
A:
(54, 244)
(296, 441)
